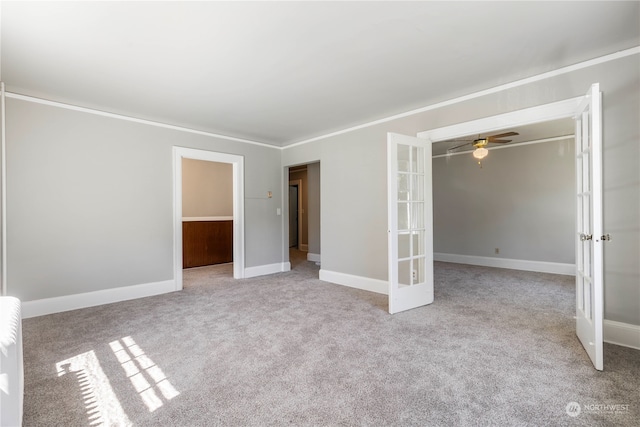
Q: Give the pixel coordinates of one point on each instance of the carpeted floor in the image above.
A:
(497, 347)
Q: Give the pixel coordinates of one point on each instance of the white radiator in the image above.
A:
(11, 369)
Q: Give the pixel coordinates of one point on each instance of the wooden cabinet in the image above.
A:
(206, 243)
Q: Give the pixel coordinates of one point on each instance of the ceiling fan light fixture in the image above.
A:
(480, 153)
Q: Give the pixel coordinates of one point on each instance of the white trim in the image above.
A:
(623, 334)
(238, 207)
(45, 306)
(313, 257)
(538, 114)
(392, 215)
(263, 270)
(133, 119)
(501, 147)
(283, 212)
(358, 282)
(617, 333)
(496, 89)
(206, 218)
(554, 73)
(513, 264)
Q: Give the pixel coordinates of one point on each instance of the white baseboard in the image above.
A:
(107, 296)
(45, 306)
(358, 282)
(617, 333)
(262, 270)
(303, 247)
(623, 334)
(513, 264)
(313, 257)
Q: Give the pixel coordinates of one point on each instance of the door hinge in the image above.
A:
(606, 237)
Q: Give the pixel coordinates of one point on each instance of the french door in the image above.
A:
(410, 220)
(587, 112)
(589, 236)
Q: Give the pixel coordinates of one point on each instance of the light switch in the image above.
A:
(278, 211)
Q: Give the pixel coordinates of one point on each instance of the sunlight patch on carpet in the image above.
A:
(146, 377)
(101, 403)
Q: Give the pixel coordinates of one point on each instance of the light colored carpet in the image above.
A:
(497, 347)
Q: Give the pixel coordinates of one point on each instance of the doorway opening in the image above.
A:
(587, 113)
(517, 212)
(534, 120)
(236, 226)
(515, 208)
(302, 208)
(207, 213)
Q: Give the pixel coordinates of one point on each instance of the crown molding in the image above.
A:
(517, 83)
(43, 101)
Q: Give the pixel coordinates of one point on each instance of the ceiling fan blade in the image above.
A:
(502, 135)
(499, 141)
(458, 146)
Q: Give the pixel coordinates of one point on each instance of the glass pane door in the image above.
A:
(410, 223)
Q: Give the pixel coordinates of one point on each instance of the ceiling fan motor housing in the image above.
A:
(479, 143)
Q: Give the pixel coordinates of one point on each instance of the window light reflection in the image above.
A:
(145, 376)
(100, 401)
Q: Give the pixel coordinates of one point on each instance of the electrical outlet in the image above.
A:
(414, 274)
(497, 251)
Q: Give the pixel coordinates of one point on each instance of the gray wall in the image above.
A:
(521, 201)
(90, 200)
(207, 188)
(313, 176)
(354, 211)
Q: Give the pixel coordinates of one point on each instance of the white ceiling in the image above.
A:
(284, 72)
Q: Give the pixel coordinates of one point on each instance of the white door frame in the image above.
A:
(539, 114)
(298, 183)
(237, 162)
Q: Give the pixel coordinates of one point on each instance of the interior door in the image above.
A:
(589, 262)
(410, 219)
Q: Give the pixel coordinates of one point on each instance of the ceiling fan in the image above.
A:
(481, 152)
